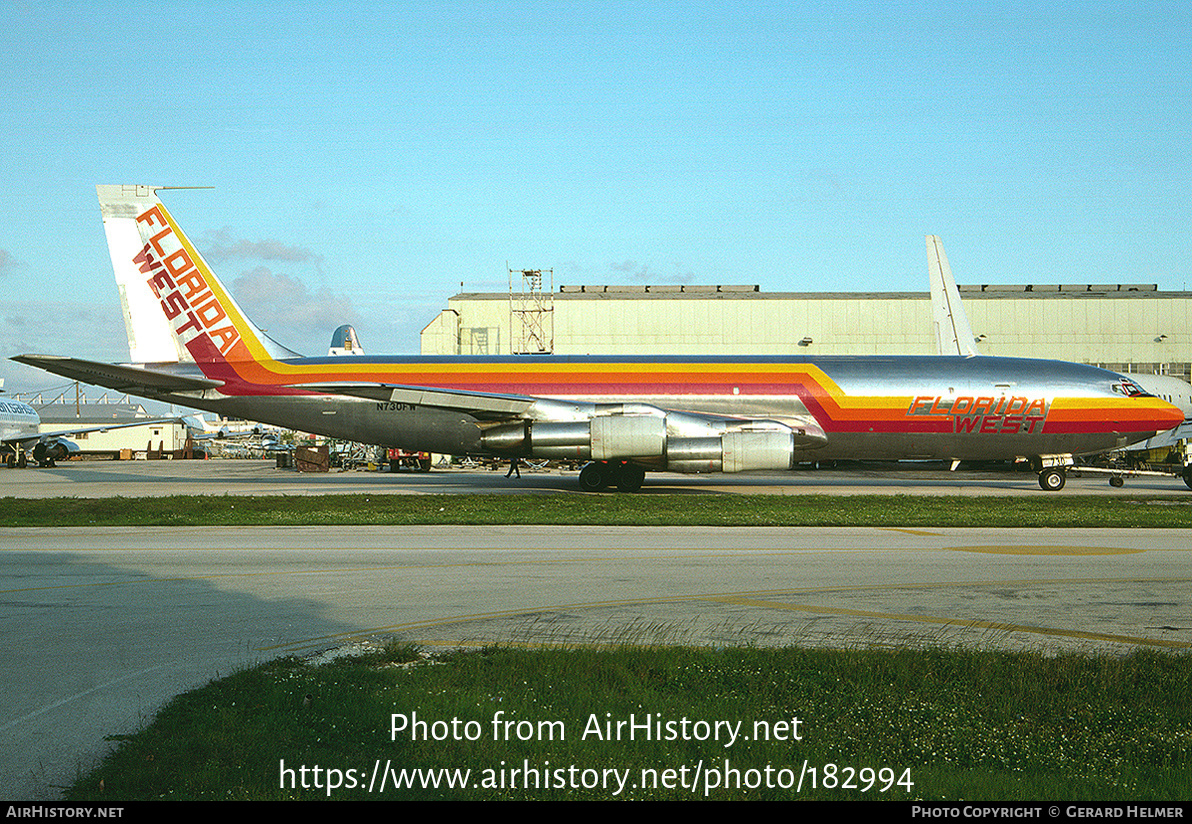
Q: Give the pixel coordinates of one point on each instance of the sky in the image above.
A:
(367, 161)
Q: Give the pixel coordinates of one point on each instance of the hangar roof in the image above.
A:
(753, 292)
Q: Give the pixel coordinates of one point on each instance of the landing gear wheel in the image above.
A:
(1188, 476)
(1116, 482)
(424, 464)
(630, 478)
(1053, 479)
(594, 477)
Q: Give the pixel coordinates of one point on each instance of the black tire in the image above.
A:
(424, 464)
(630, 478)
(594, 477)
(1053, 479)
(1188, 476)
(1117, 482)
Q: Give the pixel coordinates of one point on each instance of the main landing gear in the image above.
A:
(626, 477)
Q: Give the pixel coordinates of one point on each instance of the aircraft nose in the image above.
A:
(1160, 416)
(1170, 416)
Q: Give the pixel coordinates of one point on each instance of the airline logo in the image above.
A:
(17, 408)
(989, 416)
(188, 301)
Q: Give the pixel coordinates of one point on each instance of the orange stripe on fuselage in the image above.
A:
(806, 382)
(1139, 414)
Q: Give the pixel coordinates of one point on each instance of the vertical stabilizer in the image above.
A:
(175, 308)
(953, 335)
(150, 338)
(345, 342)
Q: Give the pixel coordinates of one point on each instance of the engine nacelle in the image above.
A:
(507, 439)
(734, 451)
(677, 441)
(603, 438)
(58, 449)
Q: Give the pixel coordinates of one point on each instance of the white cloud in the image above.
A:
(644, 274)
(7, 263)
(291, 313)
(221, 245)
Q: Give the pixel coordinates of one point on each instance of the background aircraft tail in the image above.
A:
(175, 308)
(953, 335)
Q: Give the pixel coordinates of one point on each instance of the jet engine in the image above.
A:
(677, 441)
(59, 449)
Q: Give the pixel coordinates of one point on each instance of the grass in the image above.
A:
(1173, 511)
(934, 724)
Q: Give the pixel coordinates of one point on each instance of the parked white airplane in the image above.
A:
(20, 435)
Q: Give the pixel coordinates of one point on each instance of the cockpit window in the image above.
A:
(1128, 388)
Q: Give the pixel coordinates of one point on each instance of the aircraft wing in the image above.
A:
(480, 403)
(803, 429)
(122, 378)
(1164, 439)
(79, 430)
(504, 411)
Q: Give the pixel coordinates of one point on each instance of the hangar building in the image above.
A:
(156, 436)
(1126, 327)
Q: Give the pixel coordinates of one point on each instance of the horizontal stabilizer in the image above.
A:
(122, 378)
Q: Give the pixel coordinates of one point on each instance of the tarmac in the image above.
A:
(98, 479)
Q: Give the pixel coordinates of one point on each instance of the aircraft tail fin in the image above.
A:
(175, 308)
(150, 337)
(953, 334)
(345, 342)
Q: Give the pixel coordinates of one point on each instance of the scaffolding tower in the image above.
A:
(531, 313)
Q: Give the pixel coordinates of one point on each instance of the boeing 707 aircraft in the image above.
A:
(191, 344)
